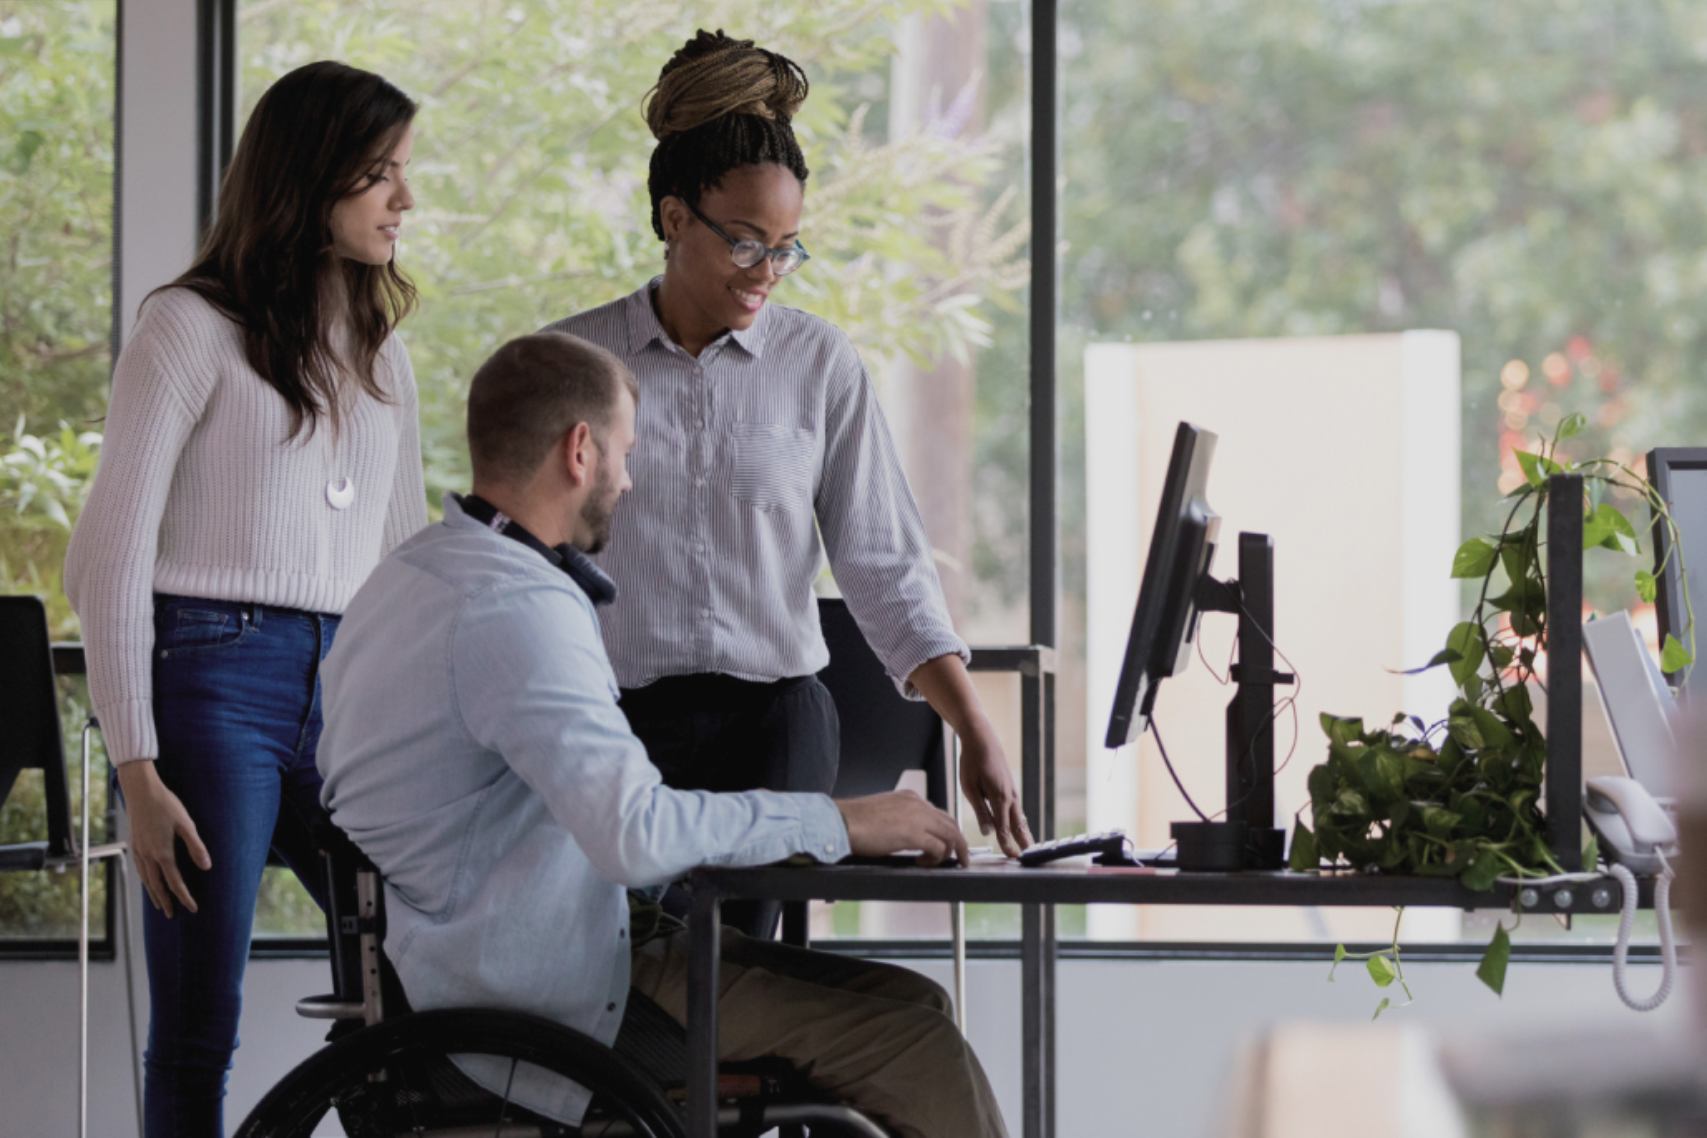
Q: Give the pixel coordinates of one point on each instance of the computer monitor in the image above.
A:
(1679, 475)
(1182, 544)
(1175, 589)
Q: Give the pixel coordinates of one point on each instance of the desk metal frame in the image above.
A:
(1039, 891)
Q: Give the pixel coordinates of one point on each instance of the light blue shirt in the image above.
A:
(474, 750)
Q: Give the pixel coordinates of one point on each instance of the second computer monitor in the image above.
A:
(1182, 542)
(1679, 474)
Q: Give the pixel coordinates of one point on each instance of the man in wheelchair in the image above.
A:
(474, 750)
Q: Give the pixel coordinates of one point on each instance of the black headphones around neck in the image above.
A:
(598, 586)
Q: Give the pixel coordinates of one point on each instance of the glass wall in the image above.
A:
(1340, 231)
(530, 175)
(1396, 239)
(57, 74)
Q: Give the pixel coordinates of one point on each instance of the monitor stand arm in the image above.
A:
(1247, 838)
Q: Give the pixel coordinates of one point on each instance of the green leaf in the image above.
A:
(1303, 856)
(24, 150)
(1591, 853)
(1464, 730)
(1341, 730)
(1491, 971)
(1571, 426)
(1466, 640)
(1494, 732)
(1475, 558)
(1322, 784)
(1386, 1002)
(1339, 958)
(1608, 528)
(1515, 704)
(1380, 970)
(1646, 586)
(1674, 657)
(1515, 556)
(1438, 820)
(1536, 468)
(1525, 600)
(1389, 777)
(1351, 803)
(1444, 656)
(1483, 871)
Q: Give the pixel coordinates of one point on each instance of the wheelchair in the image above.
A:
(387, 1072)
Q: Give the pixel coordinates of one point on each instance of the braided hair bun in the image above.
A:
(720, 103)
(713, 76)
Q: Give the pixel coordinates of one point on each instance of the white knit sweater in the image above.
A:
(201, 491)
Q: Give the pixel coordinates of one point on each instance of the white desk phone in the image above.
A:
(1634, 829)
(1637, 833)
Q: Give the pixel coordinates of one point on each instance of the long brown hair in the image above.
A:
(317, 135)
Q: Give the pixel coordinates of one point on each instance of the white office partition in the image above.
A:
(1346, 451)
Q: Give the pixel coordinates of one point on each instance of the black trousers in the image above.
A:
(716, 732)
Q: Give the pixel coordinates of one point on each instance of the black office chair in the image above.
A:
(387, 1070)
(29, 709)
(884, 735)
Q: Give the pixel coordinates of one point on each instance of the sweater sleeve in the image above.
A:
(406, 514)
(160, 387)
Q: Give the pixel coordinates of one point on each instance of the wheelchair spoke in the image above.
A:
(504, 1106)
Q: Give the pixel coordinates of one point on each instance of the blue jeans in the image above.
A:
(237, 709)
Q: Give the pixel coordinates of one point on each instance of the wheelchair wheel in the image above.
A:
(394, 1079)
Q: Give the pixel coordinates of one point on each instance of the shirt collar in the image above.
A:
(644, 327)
(595, 582)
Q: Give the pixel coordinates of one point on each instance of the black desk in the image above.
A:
(1039, 890)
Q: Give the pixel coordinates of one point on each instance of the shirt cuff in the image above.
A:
(824, 834)
(917, 653)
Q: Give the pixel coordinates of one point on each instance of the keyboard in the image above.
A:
(1111, 847)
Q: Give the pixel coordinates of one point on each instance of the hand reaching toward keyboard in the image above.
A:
(880, 824)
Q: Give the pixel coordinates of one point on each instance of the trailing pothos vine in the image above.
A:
(1461, 797)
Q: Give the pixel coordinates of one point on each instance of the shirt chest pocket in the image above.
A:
(771, 466)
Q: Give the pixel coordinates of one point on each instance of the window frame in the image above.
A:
(216, 103)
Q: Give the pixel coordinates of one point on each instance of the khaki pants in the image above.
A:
(875, 1036)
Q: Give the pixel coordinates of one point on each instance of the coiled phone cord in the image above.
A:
(1627, 919)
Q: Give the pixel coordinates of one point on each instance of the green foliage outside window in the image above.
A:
(1527, 174)
(530, 173)
(56, 208)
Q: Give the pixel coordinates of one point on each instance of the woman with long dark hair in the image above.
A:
(761, 446)
(262, 452)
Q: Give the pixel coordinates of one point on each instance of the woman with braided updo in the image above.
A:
(759, 433)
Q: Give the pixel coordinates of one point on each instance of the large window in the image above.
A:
(57, 70)
(530, 173)
(1337, 208)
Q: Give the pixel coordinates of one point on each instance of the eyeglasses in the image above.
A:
(746, 252)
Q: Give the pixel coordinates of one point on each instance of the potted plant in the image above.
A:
(1461, 796)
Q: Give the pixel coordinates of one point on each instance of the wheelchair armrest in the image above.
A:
(328, 1007)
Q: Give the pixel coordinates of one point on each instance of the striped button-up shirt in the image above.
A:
(744, 458)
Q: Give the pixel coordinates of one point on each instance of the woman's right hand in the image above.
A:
(157, 821)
